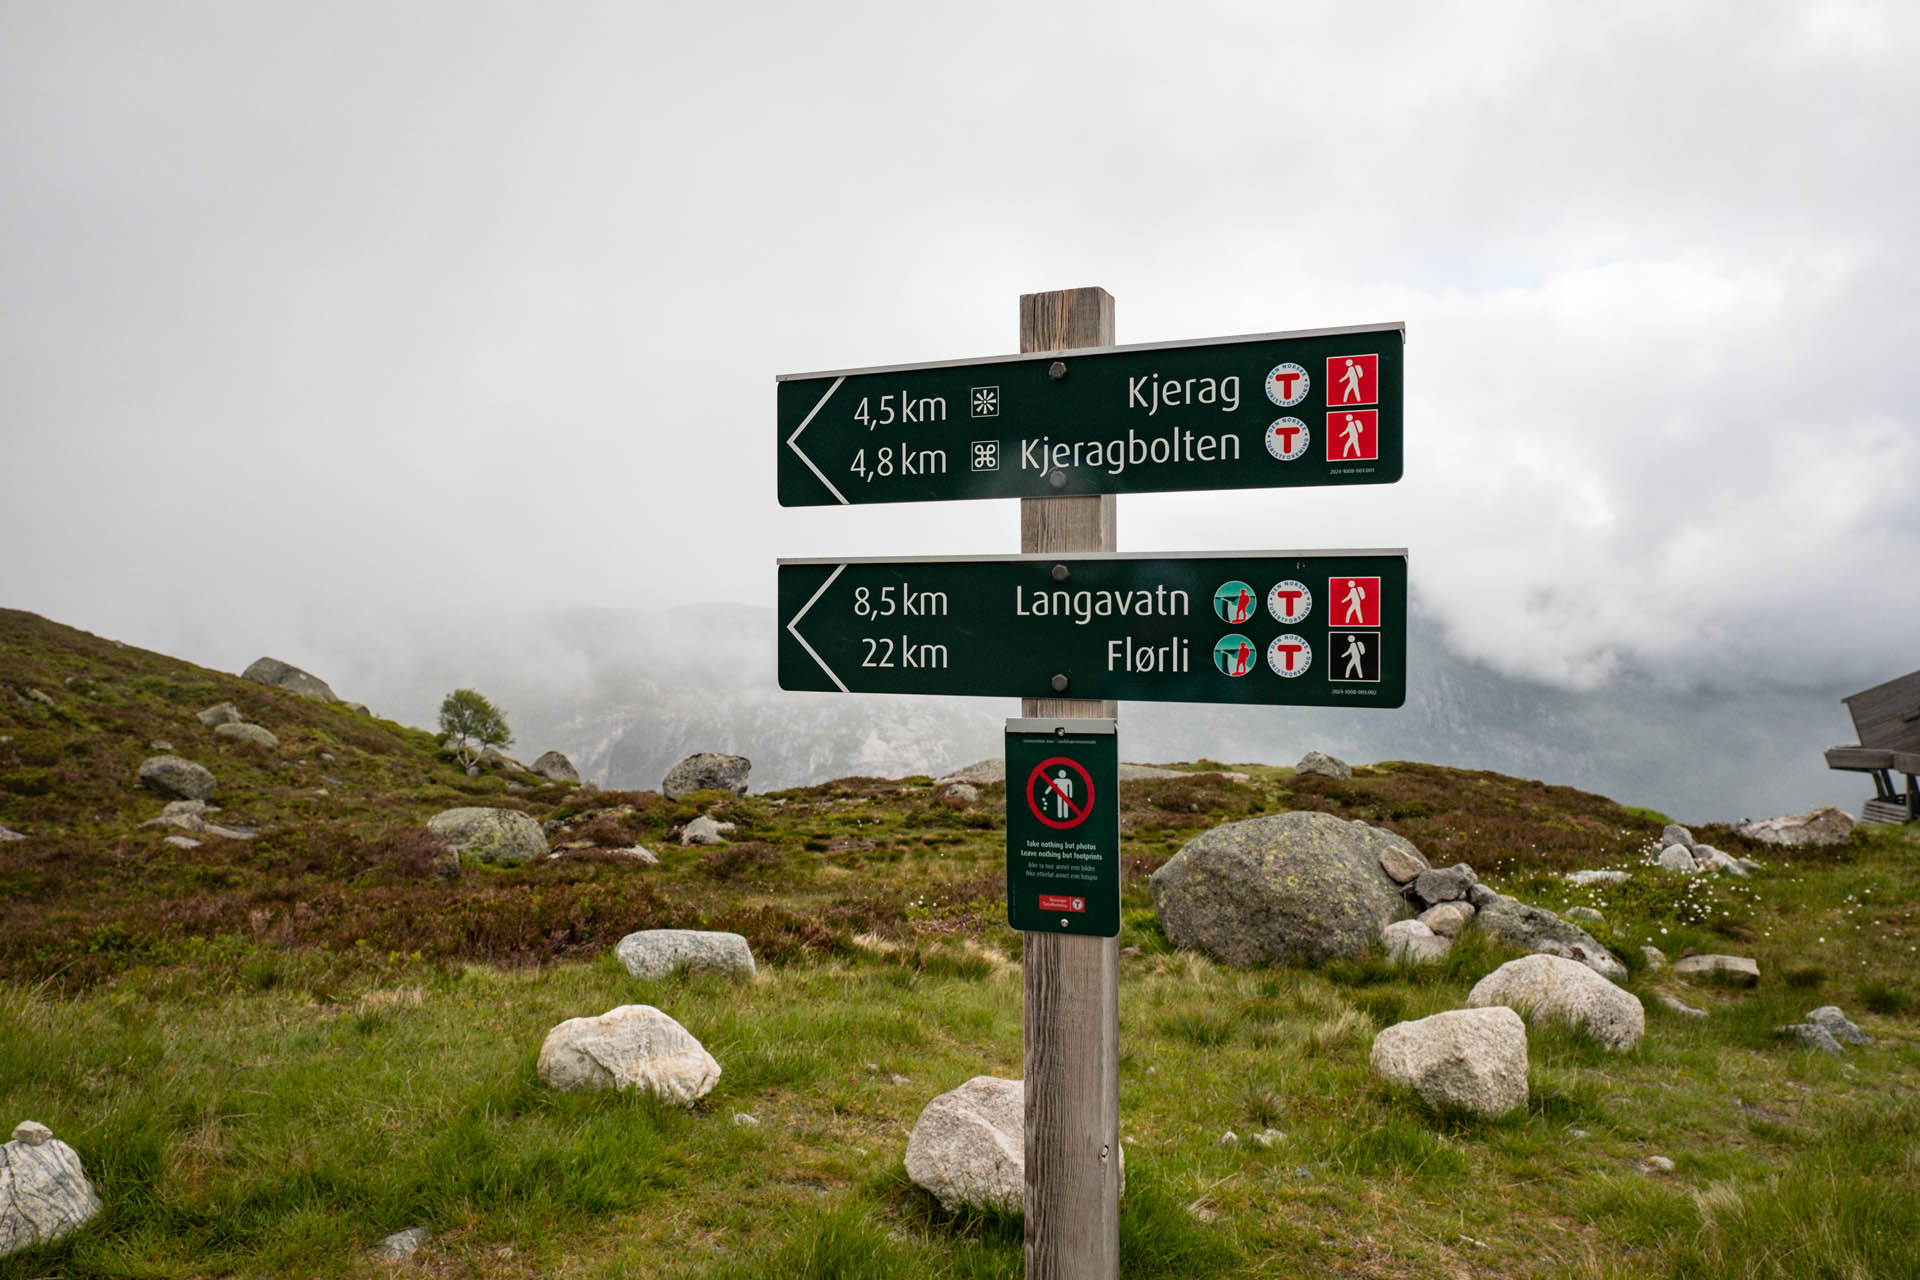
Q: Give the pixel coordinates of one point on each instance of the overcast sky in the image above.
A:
(316, 320)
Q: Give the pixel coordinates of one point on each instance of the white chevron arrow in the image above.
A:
(793, 443)
(793, 627)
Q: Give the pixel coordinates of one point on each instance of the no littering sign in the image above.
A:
(1063, 827)
(1060, 792)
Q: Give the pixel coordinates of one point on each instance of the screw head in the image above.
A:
(1057, 370)
(1059, 684)
(1059, 573)
(1063, 922)
(1058, 479)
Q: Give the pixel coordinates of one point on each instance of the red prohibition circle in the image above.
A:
(1080, 812)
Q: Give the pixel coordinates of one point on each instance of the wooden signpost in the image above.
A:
(1065, 426)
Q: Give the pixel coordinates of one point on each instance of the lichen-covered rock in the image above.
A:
(180, 779)
(1838, 1024)
(635, 1046)
(658, 953)
(1289, 888)
(1445, 884)
(44, 1193)
(1821, 826)
(284, 675)
(1812, 1035)
(1524, 928)
(1566, 990)
(1325, 765)
(218, 714)
(555, 767)
(1466, 1059)
(478, 834)
(1673, 833)
(707, 771)
(240, 731)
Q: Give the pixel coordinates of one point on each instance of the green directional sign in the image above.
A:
(1316, 407)
(1287, 628)
(1063, 827)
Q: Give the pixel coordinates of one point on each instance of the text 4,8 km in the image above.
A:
(901, 599)
(907, 462)
(885, 651)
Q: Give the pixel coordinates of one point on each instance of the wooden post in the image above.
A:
(1072, 985)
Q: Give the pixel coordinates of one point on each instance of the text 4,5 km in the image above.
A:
(899, 407)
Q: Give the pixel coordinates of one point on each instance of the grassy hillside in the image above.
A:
(271, 1053)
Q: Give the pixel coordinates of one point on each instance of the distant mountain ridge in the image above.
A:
(627, 693)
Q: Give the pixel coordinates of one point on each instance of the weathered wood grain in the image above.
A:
(1888, 715)
(1072, 985)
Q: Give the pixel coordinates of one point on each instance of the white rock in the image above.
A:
(1822, 826)
(1566, 990)
(658, 953)
(1411, 942)
(240, 731)
(6, 834)
(1658, 1164)
(704, 830)
(1402, 862)
(1654, 956)
(1674, 833)
(1738, 971)
(1447, 919)
(402, 1245)
(1584, 878)
(44, 1193)
(1681, 1007)
(1678, 859)
(181, 842)
(1267, 1137)
(1468, 1059)
(968, 1146)
(632, 1047)
(1585, 915)
(745, 1121)
(1711, 859)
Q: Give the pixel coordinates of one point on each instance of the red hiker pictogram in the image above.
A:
(1356, 601)
(1353, 380)
(1353, 435)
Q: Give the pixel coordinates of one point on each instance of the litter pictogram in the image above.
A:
(1060, 792)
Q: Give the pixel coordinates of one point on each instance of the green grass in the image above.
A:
(271, 1055)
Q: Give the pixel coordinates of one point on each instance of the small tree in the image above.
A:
(473, 723)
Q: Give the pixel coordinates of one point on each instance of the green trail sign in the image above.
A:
(1063, 827)
(1315, 407)
(1288, 628)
